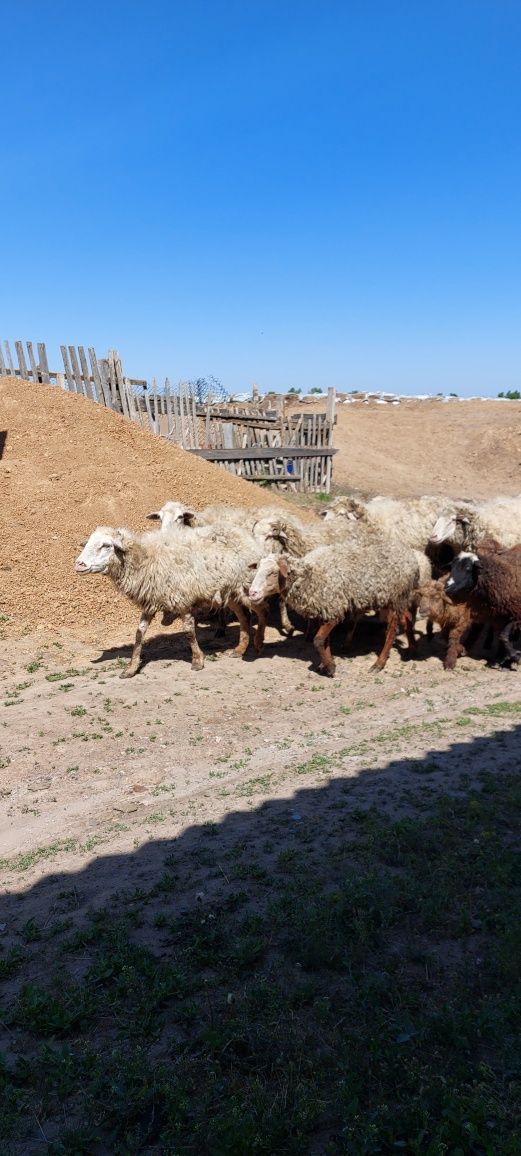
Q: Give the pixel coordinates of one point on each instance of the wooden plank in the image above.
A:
(195, 423)
(154, 406)
(10, 366)
(103, 394)
(120, 384)
(149, 411)
(76, 371)
(67, 369)
(21, 360)
(207, 429)
(89, 385)
(60, 380)
(272, 478)
(185, 437)
(330, 405)
(3, 371)
(105, 374)
(110, 378)
(228, 435)
(177, 418)
(247, 418)
(43, 363)
(133, 407)
(169, 412)
(32, 361)
(258, 453)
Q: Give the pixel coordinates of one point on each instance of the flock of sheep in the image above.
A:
(456, 562)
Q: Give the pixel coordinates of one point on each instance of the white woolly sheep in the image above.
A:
(166, 575)
(223, 524)
(411, 519)
(462, 527)
(331, 582)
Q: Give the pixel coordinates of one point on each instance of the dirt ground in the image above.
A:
(90, 765)
(94, 766)
(468, 448)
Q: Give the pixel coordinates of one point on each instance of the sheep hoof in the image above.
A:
(197, 663)
(376, 667)
(128, 673)
(235, 653)
(327, 671)
(167, 619)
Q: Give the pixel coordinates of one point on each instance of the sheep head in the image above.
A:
(270, 533)
(173, 515)
(270, 578)
(348, 508)
(101, 548)
(452, 527)
(464, 574)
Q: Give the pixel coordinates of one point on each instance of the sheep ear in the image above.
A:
(154, 514)
(283, 567)
(118, 543)
(322, 513)
(188, 517)
(83, 543)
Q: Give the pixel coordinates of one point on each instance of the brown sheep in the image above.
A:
(454, 618)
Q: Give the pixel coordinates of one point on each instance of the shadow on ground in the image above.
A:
(311, 975)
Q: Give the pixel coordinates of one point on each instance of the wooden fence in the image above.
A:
(260, 442)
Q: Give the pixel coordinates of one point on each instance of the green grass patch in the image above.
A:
(365, 999)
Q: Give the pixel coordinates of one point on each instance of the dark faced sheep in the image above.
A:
(490, 585)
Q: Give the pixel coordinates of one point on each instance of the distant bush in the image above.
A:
(512, 394)
(316, 389)
(293, 390)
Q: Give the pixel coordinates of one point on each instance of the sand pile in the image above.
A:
(69, 465)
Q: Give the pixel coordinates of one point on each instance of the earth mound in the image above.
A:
(68, 465)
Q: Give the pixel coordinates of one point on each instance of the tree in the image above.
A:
(316, 389)
(512, 394)
(293, 390)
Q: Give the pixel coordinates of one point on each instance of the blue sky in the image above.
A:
(293, 193)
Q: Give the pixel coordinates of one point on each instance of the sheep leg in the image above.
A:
(512, 655)
(391, 632)
(244, 630)
(220, 631)
(197, 654)
(429, 629)
(133, 666)
(261, 613)
(323, 645)
(350, 632)
(409, 619)
(286, 624)
(455, 648)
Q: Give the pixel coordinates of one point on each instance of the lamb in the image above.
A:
(168, 575)
(342, 579)
(464, 525)
(490, 584)
(454, 618)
